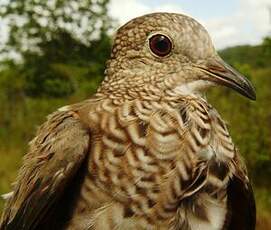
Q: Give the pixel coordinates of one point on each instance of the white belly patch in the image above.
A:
(216, 213)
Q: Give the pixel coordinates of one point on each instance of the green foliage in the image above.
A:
(46, 33)
(255, 56)
(267, 47)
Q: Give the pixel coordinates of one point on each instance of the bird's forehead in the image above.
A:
(134, 33)
(156, 21)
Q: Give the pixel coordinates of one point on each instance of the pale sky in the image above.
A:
(230, 22)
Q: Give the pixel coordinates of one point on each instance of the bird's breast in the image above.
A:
(148, 157)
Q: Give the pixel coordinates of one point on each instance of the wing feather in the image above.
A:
(55, 155)
(241, 205)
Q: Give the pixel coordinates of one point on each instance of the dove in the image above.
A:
(147, 150)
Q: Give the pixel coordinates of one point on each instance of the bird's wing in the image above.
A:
(241, 203)
(55, 155)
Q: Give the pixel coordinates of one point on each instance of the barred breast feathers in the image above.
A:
(152, 155)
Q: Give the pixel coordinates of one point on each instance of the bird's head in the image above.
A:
(165, 52)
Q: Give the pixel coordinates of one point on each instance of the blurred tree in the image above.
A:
(46, 33)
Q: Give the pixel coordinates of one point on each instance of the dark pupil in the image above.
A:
(160, 45)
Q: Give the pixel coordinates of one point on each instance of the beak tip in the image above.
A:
(250, 91)
(253, 96)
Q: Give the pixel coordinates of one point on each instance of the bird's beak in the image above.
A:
(220, 72)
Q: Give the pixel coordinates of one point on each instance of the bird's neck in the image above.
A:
(125, 84)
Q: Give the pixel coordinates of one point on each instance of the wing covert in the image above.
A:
(54, 157)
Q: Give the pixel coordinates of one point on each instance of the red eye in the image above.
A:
(160, 45)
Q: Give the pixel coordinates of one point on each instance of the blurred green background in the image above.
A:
(46, 65)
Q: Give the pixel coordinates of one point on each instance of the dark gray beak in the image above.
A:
(223, 74)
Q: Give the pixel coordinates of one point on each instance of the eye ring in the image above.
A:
(160, 45)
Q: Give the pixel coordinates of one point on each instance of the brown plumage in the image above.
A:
(146, 151)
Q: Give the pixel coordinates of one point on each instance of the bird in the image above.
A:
(147, 150)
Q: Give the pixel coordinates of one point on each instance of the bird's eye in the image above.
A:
(160, 45)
